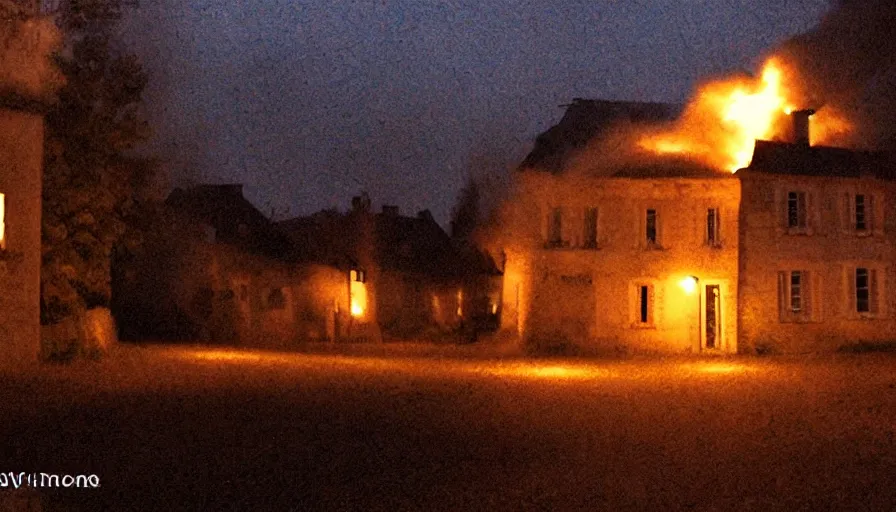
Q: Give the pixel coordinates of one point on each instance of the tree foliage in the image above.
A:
(92, 189)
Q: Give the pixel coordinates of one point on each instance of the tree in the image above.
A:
(93, 190)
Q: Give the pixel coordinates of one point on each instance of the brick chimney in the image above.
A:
(801, 126)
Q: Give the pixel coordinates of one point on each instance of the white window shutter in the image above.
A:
(846, 210)
(850, 274)
(876, 214)
(783, 296)
(873, 292)
(806, 291)
(816, 295)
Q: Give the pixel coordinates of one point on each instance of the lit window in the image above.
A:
(796, 210)
(651, 226)
(589, 236)
(713, 229)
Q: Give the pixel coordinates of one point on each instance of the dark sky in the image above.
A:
(309, 102)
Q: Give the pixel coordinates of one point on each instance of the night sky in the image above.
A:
(308, 103)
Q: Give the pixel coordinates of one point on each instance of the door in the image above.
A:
(712, 324)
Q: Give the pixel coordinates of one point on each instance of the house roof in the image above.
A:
(400, 243)
(586, 119)
(234, 218)
(668, 167)
(775, 157)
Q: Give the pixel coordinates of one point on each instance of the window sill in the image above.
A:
(866, 316)
(653, 246)
(640, 326)
(799, 231)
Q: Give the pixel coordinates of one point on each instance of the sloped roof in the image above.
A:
(802, 160)
(224, 208)
(586, 119)
(404, 244)
(668, 167)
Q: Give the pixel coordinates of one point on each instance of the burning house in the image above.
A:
(733, 228)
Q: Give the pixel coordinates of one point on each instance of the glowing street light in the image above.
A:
(689, 284)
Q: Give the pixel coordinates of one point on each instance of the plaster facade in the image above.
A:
(801, 247)
(622, 263)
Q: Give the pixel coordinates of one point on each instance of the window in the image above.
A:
(359, 276)
(713, 229)
(866, 284)
(589, 235)
(651, 231)
(276, 299)
(2, 221)
(861, 223)
(796, 210)
(555, 228)
(861, 213)
(244, 292)
(644, 305)
(798, 296)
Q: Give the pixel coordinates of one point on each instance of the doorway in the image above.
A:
(712, 323)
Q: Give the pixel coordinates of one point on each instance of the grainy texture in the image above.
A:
(171, 428)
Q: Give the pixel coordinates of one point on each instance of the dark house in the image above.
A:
(217, 269)
(419, 281)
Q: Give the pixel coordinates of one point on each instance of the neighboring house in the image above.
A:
(28, 82)
(219, 270)
(418, 281)
(817, 255)
(794, 253)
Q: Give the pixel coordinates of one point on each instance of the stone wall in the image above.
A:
(28, 82)
(566, 291)
(827, 251)
(21, 154)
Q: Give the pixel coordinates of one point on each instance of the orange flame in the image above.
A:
(721, 124)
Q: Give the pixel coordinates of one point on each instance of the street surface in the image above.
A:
(221, 429)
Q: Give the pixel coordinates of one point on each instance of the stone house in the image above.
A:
(221, 271)
(817, 233)
(614, 263)
(418, 281)
(28, 84)
(792, 254)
